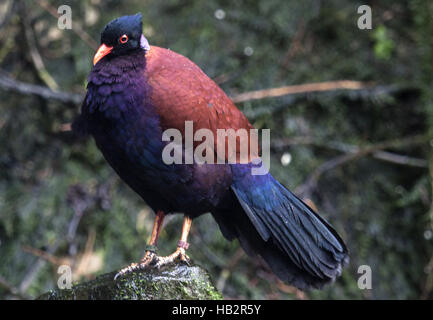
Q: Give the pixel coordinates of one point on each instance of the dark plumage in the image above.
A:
(134, 93)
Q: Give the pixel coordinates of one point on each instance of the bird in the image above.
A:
(137, 91)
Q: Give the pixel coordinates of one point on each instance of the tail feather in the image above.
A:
(298, 245)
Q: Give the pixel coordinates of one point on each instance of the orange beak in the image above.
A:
(102, 52)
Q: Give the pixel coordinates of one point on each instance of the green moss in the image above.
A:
(178, 281)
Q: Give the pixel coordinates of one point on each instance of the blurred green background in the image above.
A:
(363, 156)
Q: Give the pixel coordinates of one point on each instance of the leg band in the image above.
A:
(183, 244)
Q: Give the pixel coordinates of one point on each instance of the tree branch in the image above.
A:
(35, 56)
(12, 290)
(311, 183)
(350, 148)
(301, 88)
(9, 84)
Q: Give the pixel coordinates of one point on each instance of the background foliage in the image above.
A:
(362, 156)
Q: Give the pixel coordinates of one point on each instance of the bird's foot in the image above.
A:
(149, 257)
(178, 254)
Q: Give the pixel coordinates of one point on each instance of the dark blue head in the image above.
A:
(122, 36)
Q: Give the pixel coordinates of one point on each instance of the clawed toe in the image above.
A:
(151, 259)
(179, 254)
(148, 258)
(185, 258)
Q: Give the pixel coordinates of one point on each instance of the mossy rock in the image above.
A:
(174, 282)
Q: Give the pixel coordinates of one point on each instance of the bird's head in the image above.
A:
(121, 36)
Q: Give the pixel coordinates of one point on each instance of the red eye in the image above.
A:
(123, 39)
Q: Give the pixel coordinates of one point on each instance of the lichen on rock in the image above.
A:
(175, 282)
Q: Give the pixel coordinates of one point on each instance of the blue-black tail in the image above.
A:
(299, 246)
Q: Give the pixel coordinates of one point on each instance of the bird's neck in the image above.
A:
(118, 95)
(117, 65)
(117, 85)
